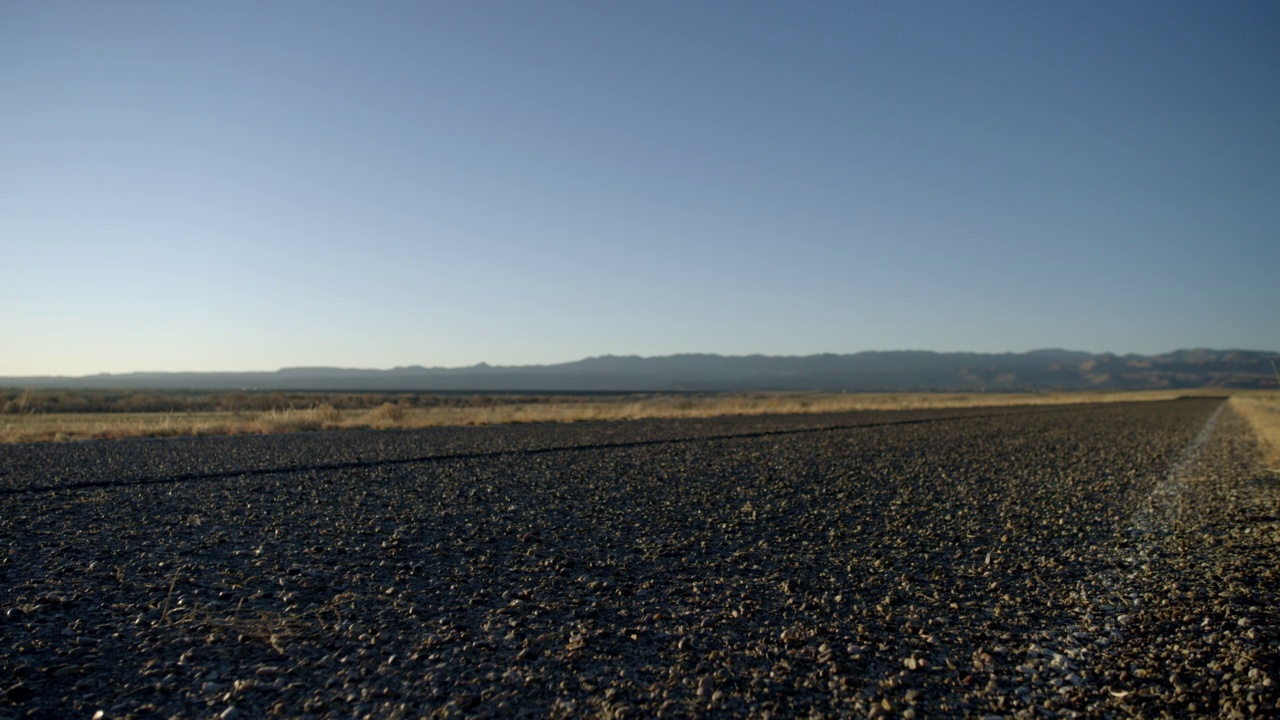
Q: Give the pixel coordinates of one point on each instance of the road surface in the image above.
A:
(1043, 561)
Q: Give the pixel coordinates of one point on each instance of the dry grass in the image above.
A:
(1262, 410)
(44, 427)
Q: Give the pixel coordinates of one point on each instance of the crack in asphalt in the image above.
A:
(493, 454)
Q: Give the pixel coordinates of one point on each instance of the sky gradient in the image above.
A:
(247, 186)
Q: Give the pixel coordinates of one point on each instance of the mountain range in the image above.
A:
(894, 371)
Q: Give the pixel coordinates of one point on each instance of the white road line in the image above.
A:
(1103, 603)
(1164, 506)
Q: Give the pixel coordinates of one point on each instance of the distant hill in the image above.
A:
(1038, 370)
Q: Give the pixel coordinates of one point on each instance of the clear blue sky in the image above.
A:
(250, 185)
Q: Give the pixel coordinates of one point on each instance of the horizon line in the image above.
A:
(485, 365)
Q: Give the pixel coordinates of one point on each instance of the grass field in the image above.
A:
(32, 417)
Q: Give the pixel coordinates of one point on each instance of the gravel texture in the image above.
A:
(1112, 560)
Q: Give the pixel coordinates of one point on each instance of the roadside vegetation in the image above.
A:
(41, 416)
(1262, 410)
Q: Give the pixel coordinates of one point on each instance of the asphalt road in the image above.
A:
(1106, 560)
